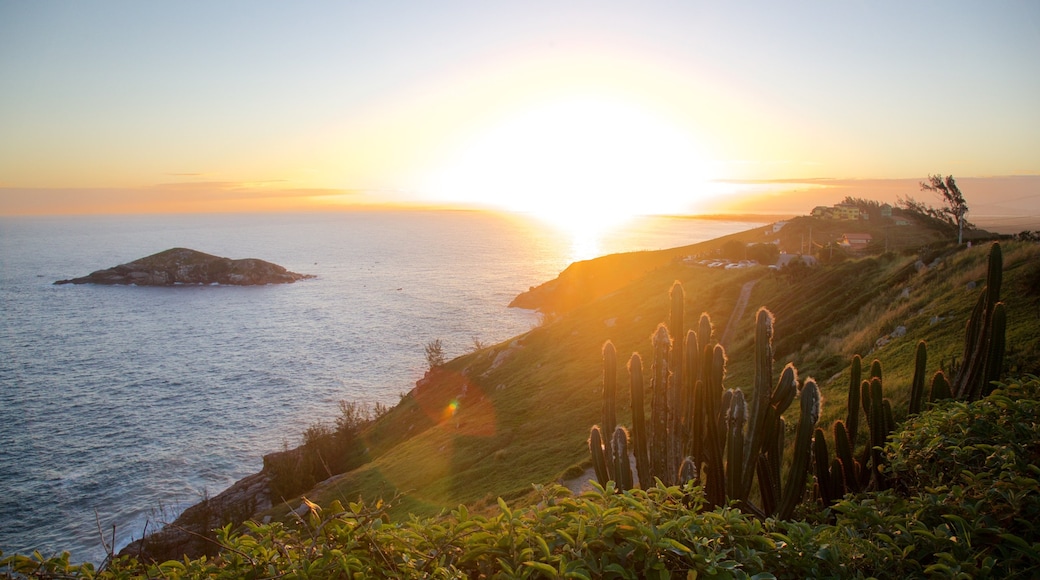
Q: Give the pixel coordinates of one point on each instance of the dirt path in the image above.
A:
(738, 313)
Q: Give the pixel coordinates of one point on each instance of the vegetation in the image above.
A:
(487, 424)
(953, 205)
(326, 451)
(700, 431)
(965, 505)
(434, 354)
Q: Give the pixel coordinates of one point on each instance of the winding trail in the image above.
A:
(738, 313)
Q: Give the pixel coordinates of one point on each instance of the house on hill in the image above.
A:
(841, 211)
(855, 242)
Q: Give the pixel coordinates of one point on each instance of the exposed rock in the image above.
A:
(192, 532)
(184, 266)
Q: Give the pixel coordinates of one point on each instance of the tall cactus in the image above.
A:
(852, 411)
(917, 386)
(599, 458)
(995, 353)
(609, 394)
(621, 467)
(760, 400)
(736, 417)
(639, 439)
(879, 422)
(984, 336)
(798, 472)
(822, 467)
(714, 440)
(659, 416)
(843, 451)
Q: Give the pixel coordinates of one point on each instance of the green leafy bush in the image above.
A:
(964, 505)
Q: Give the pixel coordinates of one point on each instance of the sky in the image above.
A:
(560, 108)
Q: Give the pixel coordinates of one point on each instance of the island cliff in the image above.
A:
(184, 266)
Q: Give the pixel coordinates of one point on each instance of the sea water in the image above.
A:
(120, 406)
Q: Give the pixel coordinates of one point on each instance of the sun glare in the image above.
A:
(583, 164)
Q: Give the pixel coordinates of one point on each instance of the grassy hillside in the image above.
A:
(491, 423)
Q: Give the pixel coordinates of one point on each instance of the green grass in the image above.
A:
(526, 419)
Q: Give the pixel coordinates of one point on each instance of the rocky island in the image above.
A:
(184, 266)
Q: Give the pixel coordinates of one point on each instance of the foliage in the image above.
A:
(763, 253)
(965, 505)
(953, 203)
(977, 463)
(327, 450)
(434, 354)
(870, 207)
(734, 250)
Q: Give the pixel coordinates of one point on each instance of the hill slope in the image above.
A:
(492, 422)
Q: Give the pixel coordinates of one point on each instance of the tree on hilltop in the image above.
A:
(953, 204)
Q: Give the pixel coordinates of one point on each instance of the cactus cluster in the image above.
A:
(984, 339)
(983, 359)
(699, 430)
(846, 471)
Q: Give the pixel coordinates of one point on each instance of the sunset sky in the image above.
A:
(602, 108)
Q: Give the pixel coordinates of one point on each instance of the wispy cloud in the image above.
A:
(184, 197)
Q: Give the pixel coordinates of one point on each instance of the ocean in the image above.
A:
(121, 406)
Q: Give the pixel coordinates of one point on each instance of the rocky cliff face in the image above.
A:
(184, 266)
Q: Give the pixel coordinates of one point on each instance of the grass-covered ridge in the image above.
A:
(966, 507)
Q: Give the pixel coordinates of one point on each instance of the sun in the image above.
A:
(582, 163)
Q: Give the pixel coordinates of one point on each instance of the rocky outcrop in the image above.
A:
(191, 534)
(184, 266)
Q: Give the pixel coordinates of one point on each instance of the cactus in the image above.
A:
(599, 458)
(687, 471)
(875, 369)
(621, 467)
(715, 488)
(639, 440)
(609, 393)
(676, 384)
(995, 355)
(760, 400)
(940, 387)
(736, 417)
(794, 488)
(879, 431)
(984, 336)
(689, 387)
(822, 465)
(917, 386)
(843, 452)
(855, 390)
(659, 419)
